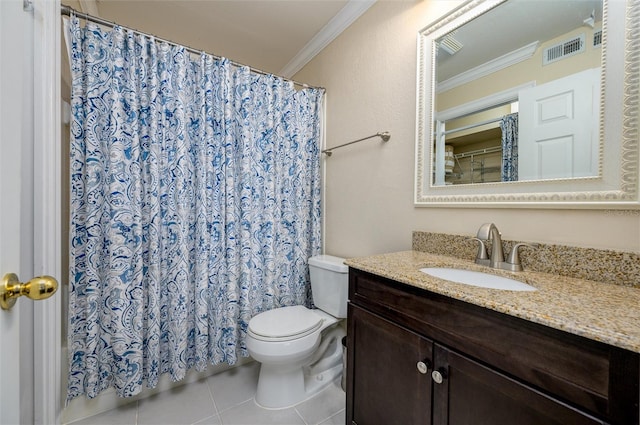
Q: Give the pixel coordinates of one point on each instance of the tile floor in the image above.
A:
(224, 399)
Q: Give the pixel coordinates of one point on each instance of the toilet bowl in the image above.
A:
(300, 349)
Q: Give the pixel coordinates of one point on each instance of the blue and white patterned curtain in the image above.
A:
(195, 204)
(509, 127)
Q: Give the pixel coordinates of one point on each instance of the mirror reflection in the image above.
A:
(517, 94)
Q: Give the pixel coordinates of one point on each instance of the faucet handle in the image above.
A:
(514, 257)
(481, 257)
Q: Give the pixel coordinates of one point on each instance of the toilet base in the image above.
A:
(282, 386)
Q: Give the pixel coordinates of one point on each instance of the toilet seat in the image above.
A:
(284, 324)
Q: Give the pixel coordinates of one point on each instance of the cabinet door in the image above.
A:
(387, 386)
(473, 394)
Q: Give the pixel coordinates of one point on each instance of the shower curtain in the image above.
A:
(509, 127)
(195, 203)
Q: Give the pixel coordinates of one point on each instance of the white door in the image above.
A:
(28, 208)
(16, 329)
(559, 128)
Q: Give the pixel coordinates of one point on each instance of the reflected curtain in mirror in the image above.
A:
(509, 127)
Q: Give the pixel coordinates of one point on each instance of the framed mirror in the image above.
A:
(530, 103)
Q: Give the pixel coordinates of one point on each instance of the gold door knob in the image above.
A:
(38, 288)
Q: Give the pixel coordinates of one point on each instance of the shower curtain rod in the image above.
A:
(67, 10)
(385, 136)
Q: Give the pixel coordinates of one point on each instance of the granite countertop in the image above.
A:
(598, 311)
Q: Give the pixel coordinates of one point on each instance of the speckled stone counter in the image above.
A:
(600, 265)
(599, 311)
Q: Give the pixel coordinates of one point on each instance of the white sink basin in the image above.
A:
(484, 280)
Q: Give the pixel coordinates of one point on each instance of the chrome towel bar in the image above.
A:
(385, 136)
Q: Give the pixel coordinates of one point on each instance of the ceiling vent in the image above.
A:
(563, 50)
(597, 38)
(449, 44)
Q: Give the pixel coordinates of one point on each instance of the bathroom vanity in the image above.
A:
(422, 350)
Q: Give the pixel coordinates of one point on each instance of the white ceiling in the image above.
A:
(276, 36)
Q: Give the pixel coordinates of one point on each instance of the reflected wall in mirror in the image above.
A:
(518, 103)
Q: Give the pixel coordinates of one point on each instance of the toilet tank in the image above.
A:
(329, 284)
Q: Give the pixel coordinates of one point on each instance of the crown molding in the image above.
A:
(347, 15)
(489, 67)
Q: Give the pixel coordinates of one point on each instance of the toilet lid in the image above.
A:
(285, 322)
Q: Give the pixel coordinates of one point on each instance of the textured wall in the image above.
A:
(370, 75)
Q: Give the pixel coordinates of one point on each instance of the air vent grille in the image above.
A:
(563, 50)
(597, 38)
(450, 45)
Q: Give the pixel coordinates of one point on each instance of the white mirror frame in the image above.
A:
(617, 184)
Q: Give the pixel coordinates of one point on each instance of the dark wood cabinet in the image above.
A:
(392, 367)
(472, 393)
(491, 368)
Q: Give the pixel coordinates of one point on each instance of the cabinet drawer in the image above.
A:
(585, 373)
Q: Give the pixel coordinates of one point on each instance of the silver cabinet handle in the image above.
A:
(423, 366)
(438, 376)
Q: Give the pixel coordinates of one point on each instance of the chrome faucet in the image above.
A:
(489, 232)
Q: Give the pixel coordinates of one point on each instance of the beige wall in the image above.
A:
(370, 76)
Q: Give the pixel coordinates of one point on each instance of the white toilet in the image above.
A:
(301, 349)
